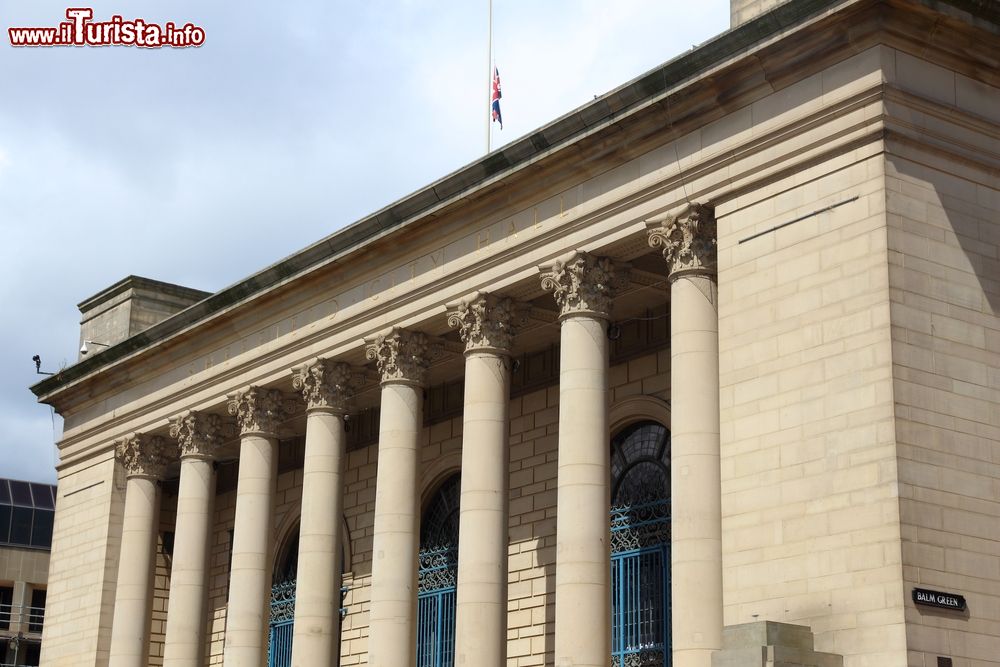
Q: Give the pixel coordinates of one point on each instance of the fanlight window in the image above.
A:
(640, 546)
(436, 577)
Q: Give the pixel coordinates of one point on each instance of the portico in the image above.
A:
(487, 330)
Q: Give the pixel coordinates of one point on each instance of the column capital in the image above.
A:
(688, 239)
(402, 356)
(326, 385)
(258, 410)
(486, 322)
(142, 455)
(584, 284)
(199, 435)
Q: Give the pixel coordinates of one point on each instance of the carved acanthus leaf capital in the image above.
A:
(401, 355)
(584, 284)
(327, 385)
(259, 410)
(142, 455)
(198, 435)
(487, 322)
(688, 240)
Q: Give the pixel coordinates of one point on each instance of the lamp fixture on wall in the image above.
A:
(84, 349)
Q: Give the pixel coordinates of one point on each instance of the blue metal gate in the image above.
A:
(279, 643)
(640, 585)
(436, 607)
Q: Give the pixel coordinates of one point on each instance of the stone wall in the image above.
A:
(944, 266)
(84, 565)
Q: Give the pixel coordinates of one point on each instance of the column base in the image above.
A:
(771, 644)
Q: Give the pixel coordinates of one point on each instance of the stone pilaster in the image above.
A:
(144, 458)
(583, 286)
(688, 242)
(401, 357)
(327, 388)
(199, 437)
(487, 326)
(258, 413)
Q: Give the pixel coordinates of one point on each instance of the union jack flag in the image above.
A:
(495, 98)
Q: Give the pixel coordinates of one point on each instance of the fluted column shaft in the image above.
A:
(688, 240)
(392, 636)
(144, 460)
(198, 436)
(583, 287)
(326, 388)
(258, 411)
(481, 595)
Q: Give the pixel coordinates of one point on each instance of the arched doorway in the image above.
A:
(640, 546)
(282, 616)
(436, 577)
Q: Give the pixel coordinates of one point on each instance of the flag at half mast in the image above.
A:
(495, 98)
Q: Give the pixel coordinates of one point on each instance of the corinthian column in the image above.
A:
(402, 363)
(144, 458)
(327, 388)
(583, 286)
(486, 326)
(688, 241)
(258, 411)
(198, 437)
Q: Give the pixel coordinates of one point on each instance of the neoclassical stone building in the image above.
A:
(702, 373)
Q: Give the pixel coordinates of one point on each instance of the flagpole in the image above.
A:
(489, 79)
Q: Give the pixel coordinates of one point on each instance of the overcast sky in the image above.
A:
(200, 166)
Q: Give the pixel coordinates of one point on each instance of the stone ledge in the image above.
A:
(771, 644)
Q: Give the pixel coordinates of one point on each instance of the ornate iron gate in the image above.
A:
(437, 573)
(640, 585)
(640, 547)
(279, 644)
(436, 607)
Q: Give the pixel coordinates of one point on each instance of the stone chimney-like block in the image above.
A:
(741, 11)
(130, 306)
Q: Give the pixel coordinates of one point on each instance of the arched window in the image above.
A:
(640, 546)
(437, 574)
(281, 622)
